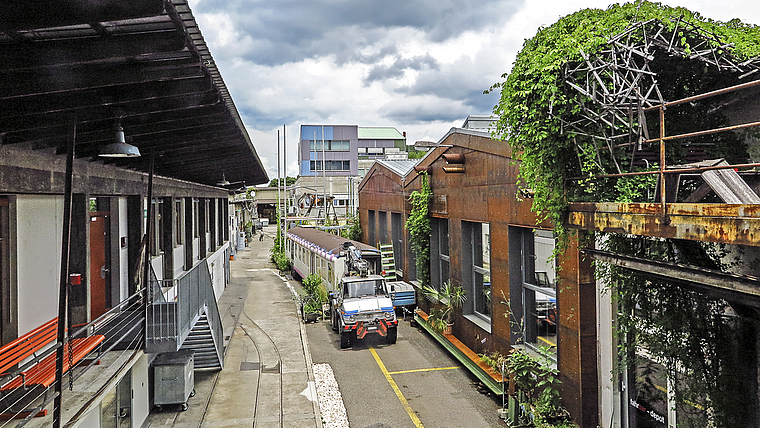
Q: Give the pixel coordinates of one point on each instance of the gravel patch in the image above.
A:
(330, 401)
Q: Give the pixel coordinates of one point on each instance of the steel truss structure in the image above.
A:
(618, 84)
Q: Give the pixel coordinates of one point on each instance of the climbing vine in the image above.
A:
(418, 225)
(535, 103)
(695, 336)
(698, 338)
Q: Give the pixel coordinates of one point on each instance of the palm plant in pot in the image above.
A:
(448, 297)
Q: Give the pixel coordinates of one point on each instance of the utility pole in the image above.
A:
(279, 183)
(324, 175)
(285, 169)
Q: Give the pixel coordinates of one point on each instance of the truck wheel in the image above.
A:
(345, 340)
(392, 334)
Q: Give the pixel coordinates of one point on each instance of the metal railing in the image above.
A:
(120, 328)
(175, 307)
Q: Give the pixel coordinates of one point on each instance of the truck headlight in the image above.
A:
(389, 315)
(349, 318)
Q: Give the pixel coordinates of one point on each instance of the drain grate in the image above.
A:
(249, 365)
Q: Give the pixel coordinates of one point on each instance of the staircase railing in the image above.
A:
(175, 307)
(212, 311)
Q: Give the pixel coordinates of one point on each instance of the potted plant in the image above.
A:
(311, 308)
(311, 303)
(448, 297)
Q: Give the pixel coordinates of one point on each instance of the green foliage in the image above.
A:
(414, 154)
(418, 225)
(538, 381)
(700, 353)
(535, 102)
(288, 181)
(281, 260)
(277, 253)
(494, 360)
(315, 294)
(354, 232)
(312, 306)
(449, 297)
(313, 285)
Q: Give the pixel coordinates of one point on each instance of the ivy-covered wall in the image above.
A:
(695, 334)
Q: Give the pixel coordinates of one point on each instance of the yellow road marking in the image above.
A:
(548, 342)
(400, 396)
(425, 370)
(690, 403)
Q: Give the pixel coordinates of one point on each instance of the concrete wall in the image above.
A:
(38, 255)
(216, 266)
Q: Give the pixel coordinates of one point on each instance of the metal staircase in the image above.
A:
(388, 261)
(183, 315)
(201, 342)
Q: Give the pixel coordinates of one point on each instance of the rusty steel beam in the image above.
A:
(724, 285)
(717, 92)
(719, 223)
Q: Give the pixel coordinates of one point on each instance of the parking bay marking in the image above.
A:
(424, 370)
(400, 396)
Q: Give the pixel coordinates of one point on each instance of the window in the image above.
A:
(329, 145)
(439, 251)
(476, 266)
(534, 299)
(330, 165)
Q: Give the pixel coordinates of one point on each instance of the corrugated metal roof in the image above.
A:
(379, 133)
(142, 64)
(331, 243)
(400, 167)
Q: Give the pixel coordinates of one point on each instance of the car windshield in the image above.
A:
(362, 288)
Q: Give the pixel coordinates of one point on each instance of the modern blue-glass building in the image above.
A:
(337, 156)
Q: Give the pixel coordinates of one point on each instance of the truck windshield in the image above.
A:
(362, 288)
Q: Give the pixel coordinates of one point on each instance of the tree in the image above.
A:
(289, 181)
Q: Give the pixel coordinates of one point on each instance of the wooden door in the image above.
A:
(99, 264)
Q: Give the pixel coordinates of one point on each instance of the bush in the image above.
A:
(313, 286)
(281, 260)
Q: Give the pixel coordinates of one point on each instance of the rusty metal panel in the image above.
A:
(720, 223)
(439, 204)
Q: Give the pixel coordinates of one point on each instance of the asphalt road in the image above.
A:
(439, 392)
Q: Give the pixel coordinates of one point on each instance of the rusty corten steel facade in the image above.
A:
(384, 190)
(484, 189)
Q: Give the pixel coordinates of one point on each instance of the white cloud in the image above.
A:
(418, 65)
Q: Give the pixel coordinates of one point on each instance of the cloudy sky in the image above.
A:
(418, 65)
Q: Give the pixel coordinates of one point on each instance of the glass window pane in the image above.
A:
(444, 236)
(541, 318)
(545, 273)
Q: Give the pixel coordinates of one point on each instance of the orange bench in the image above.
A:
(43, 373)
(27, 345)
(39, 371)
